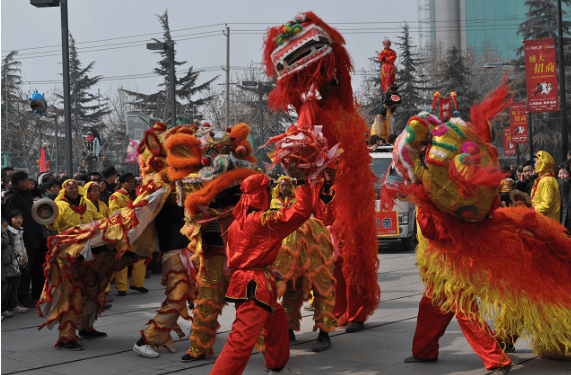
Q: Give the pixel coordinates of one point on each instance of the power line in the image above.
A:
(387, 29)
(121, 37)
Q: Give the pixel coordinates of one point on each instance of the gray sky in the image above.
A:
(36, 34)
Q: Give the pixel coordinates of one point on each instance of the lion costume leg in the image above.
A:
(178, 290)
(432, 323)
(212, 286)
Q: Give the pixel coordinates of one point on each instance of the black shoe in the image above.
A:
(507, 348)
(72, 345)
(122, 293)
(109, 299)
(92, 334)
(107, 306)
(323, 342)
(291, 335)
(139, 289)
(501, 370)
(188, 358)
(355, 327)
(413, 359)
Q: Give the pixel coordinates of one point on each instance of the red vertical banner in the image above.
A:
(43, 164)
(445, 109)
(541, 75)
(518, 122)
(509, 145)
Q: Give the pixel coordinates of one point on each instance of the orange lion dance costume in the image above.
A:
(466, 242)
(313, 76)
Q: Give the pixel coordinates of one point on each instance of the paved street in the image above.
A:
(379, 349)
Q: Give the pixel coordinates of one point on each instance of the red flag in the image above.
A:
(541, 75)
(509, 145)
(518, 122)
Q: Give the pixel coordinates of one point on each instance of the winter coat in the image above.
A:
(9, 257)
(565, 191)
(19, 246)
(545, 196)
(20, 199)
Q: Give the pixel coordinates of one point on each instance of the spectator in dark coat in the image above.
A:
(109, 174)
(565, 191)
(526, 179)
(19, 197)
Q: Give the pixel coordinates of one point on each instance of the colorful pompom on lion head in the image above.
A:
(206, 164)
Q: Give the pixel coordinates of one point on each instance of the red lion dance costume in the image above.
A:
(511, 265)
(313, 76)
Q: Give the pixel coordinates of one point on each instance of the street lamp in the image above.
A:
(169, 47)
(492, 65)
(66, 85)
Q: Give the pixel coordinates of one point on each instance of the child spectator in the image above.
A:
(16, 230)
(10, 273)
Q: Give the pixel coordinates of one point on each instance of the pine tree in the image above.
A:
(185, 88)
(19, 126)
(86, 112)
(411, 86)
(454, 76)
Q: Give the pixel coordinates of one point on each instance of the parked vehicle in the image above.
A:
(399, 224)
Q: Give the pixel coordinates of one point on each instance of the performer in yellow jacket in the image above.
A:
(283, 195)
(74, 208)
(545, 196)
(117, 201)
(93, 193)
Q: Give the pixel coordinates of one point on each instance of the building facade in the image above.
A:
(472, 23)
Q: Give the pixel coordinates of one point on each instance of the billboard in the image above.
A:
(518, 122)
(509, 145)
(541, 75)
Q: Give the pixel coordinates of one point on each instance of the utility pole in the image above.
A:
(261, 103)
(227, 112)
(66, 88)
(6, 86)
(173, 84)
(562, 98)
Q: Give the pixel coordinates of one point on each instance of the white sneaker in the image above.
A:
(285, 371)
(145, 351)
(19, 309)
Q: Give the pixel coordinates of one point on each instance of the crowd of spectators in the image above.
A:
(548, 184)
(24, 241)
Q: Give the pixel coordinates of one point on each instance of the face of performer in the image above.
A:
(329, 175)
(527, 172)
(93, 193)
(72, 192)
(285, 188)
(129, 185)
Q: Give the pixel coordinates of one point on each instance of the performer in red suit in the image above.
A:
(388, 71)
(254, 240)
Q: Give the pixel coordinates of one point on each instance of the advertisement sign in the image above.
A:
(509, 145)
(518, 122)
(541, 75)
(387, 223)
